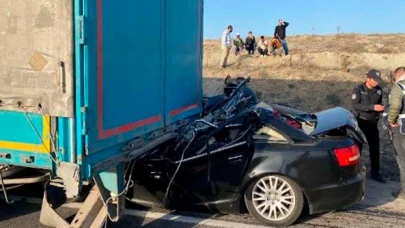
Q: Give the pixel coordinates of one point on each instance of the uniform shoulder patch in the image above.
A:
(379, 92)
(354, 96)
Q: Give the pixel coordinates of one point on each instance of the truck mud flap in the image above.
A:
(92, 213)
(49, 217)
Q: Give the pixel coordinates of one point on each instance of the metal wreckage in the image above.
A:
(238, 156)
(244, 156)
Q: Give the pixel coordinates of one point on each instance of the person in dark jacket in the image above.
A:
(250, 43)
(367, 106)
(280, 32)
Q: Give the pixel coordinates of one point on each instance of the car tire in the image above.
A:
(274, 200)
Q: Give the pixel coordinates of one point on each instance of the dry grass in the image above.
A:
(320, 73)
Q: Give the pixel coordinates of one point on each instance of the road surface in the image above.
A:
(379, 209)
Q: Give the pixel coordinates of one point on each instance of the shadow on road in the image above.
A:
(153, 219)
(378, 197)
(17, 209)
(20, 208)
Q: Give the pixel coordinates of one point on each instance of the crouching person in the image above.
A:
(263, 47)
(238, 43)
(250, 44)
(275, 47)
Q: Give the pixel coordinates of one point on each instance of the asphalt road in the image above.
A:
(26, 215)
(379, 209)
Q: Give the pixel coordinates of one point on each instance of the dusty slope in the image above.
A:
(320, 73)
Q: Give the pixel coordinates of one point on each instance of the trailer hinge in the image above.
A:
(82, 29)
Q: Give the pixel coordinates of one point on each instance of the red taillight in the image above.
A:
(348, 156)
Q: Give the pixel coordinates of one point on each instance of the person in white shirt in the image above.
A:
(226, 44)
(263, 47)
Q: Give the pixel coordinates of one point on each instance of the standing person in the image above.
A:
(250, 43)
(367, 106)
(238, 43)
(226, 44)
(397, 122)
(280, 32)
(263, 47)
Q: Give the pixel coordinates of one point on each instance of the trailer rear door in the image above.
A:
(123, 59)
(142, 70)
(183, 29)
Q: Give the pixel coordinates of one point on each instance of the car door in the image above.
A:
(228, 166)
(215, 172)
(229, 152)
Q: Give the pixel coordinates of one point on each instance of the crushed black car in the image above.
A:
(269, 159)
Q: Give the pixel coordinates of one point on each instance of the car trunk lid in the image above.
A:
(336, 118)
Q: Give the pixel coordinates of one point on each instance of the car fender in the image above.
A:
(273, 167)
(258, 169)
(300, 164)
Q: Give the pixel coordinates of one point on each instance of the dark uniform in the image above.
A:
(250, 44)
(363, 100)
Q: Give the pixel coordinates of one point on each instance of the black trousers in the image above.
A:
(263, 51)
(238, 50)
(370, 130)
(251, 50)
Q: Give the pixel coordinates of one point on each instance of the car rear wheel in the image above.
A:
(274, 200)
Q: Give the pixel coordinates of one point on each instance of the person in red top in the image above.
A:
(275, 46)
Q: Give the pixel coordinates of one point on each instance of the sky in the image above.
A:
(320, 17)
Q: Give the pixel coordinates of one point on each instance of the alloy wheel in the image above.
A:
(273, 198)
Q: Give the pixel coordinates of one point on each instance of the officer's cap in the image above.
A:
(374, 74)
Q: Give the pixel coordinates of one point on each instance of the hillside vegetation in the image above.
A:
(319, 73)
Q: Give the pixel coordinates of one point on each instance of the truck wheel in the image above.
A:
(274, 200)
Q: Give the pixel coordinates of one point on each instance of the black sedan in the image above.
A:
(272, 160)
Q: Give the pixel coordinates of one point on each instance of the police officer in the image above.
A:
(367, 106)
(396, 119)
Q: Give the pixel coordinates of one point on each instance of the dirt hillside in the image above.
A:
(319, 73)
